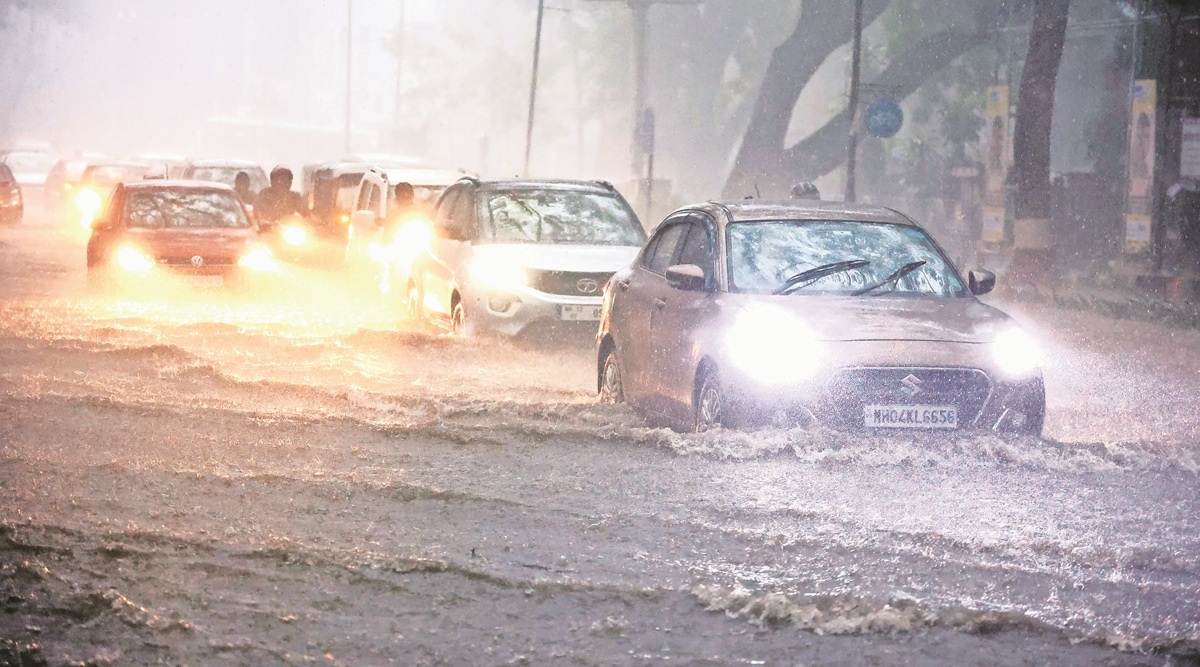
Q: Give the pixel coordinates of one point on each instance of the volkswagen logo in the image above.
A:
(197, 261)
(910, 386)
(587, 286)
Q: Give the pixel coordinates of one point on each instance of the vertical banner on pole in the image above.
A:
(997, 152)
(1139, 200)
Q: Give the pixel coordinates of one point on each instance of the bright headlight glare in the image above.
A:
(1017, 353)
(497, 274)
(295, 235)
(133, 261)
(89, 202)
(412, 238)
(773, 346)
(260, 260)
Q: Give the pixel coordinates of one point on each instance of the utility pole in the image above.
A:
(855, 73)
(641, 20)
(537, 53)
(349, 65)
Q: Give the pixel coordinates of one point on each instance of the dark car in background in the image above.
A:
(158, 227)
(12, 204)
(812, 314)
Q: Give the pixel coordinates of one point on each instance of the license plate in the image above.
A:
(573, 313)
(910, 416)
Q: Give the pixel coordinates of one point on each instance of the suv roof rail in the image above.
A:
(607, 185)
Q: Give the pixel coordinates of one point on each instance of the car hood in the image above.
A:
(187, 242)
(546, 257)
(890, 318)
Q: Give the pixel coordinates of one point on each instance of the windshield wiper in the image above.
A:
(895, 277)
(806, 278)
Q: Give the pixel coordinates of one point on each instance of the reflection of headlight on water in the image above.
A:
(133, 261)
(1017, 353)
(294, 235)
(497, 274)
(260, 260)
(773, 346)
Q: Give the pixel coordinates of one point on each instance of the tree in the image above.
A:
(1031, 135)
(763, 159)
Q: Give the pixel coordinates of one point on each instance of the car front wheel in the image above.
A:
(612, 389)
(458, 321)
(415, 305)
(710, 403)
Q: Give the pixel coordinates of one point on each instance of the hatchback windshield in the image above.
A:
(159, 209)
(824, 257)
(560, 217)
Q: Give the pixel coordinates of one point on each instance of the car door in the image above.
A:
(641, 304)
(450, 248)
(678, 323)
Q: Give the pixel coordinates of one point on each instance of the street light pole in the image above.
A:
(537, 52)
(398, 109)
(349, 64)
(855, 73)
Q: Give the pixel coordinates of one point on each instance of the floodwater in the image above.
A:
(190, 475)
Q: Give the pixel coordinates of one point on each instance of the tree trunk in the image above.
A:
(1032, 242)
(822, 27)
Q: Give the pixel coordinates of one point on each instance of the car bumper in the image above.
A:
(511, 313)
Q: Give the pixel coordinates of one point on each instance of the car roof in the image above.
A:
(177, 184)
(241, 164)
(541, 184)
(798, 209)
(116, 163)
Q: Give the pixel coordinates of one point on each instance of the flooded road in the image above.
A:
(192, 475)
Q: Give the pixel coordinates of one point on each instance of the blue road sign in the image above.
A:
(884, 118)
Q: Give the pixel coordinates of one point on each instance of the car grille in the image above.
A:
(568, 283)
(187, 261)
(967, 389)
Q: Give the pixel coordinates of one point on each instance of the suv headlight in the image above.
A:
(773, 346)
(1016, 352)
(497, 274)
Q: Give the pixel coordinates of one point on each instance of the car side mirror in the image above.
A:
(981, 282)
(686, 277)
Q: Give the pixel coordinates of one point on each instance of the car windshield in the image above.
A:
(855, 258)
(112, 173)
(227, 174)
(159, 209)
(560, 217)
(29, 163)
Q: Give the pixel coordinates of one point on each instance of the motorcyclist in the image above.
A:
(278, 200)
(404, 207)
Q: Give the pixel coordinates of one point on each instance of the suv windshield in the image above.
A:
(764, 255)
(564, 217)
(159, 209)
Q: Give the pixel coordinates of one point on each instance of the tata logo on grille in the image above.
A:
(910, 386)
(587, 286)
(197, 261)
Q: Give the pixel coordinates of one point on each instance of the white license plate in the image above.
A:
(573, 313)
(910, 416)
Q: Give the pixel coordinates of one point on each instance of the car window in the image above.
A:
(764, 255)
(697, 248)
(462, 217)
(5, 175)
(162, 209)
(557, 216)
(659, 257)
(446, 205)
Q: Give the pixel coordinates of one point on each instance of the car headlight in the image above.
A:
(260, 260)
(134, 261)
(773, 346)
(89, 202)
(295, 235)
(412, 238)
(1016, 352)
(497, 274)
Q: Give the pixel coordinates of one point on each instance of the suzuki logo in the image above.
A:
(587, 286)
(197, 261)
(911, 386)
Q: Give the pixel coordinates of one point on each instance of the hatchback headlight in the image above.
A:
(295, 235)
(1017, 353)
(260, 260)
(134, 261)
(774, 347)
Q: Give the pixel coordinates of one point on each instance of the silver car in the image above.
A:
(506, 256)
(810, 313)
